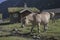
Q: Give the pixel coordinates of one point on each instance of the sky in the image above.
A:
(2, 1)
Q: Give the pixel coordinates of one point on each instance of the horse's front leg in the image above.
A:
(38, 26)
(45, 27)
(33, 25)
(22, 24)
(53, 20)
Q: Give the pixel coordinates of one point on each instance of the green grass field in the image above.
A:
(53, 30)
(0, 16)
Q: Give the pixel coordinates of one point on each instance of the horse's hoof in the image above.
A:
(36, 37)
(22, 27)
(44, 31)
(31, 34)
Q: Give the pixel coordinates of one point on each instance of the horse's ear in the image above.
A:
(38, 12)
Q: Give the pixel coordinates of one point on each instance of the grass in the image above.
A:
(13, 38)
(0, 16)
(53, 30)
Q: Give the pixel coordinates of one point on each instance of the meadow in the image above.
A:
(53, 30)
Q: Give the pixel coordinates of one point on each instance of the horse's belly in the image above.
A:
(38, 19)
(45, 20)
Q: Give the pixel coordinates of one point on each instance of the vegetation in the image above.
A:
(0, 16)
(40, 4)
(18, 9)
(53, 30)
(14, 38)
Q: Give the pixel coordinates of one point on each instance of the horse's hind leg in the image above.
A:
(45, 27)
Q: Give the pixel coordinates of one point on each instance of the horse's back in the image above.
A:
(42, 17)
(45, 16)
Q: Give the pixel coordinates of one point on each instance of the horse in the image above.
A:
(37, 19)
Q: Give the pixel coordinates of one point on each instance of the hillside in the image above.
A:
(42, 4)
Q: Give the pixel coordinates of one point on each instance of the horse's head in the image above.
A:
(52, 14)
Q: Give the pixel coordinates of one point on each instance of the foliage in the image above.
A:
(18, 9)
(40, 4)
(0, 16)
